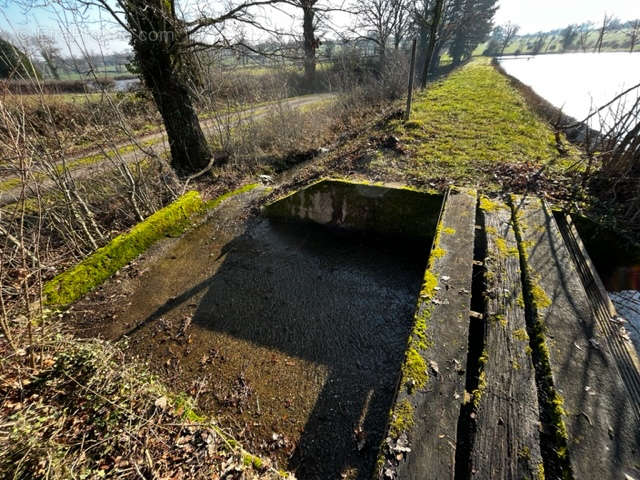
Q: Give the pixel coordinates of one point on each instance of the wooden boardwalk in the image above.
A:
(528, 374)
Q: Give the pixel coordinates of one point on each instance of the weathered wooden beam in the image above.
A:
(432, 387)
(507, 442)
(590, 416)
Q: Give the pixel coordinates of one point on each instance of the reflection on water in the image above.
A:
(580, 82)
(616, 258)
(623, 277)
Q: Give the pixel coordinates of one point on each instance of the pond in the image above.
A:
(579, 83)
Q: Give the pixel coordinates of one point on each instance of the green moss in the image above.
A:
(499, 318)
(184, 404)
(488, 205)
(478, 392)
(429, 285)
(211, 204)
(402, 419)
(540, 298)
(524, 453)
(249, 460)
(414, 371)
(71, 285)
(462, 128)
(413, 125)
(552, 405)
(558, 418)
(521, 334)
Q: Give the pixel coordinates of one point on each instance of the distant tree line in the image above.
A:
(610, 34)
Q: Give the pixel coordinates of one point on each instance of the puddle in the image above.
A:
(290, 333)
(302, 332)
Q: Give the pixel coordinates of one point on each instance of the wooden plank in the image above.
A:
(621, 348)
(507, 441)
(431, 389)
(588, 394)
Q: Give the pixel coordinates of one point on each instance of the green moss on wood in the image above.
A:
(521, 334)
(539, 297)
(552, 404)
(402, 418)
(414, 371)
(488, 205)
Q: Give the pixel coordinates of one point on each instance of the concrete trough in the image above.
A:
(386, 210)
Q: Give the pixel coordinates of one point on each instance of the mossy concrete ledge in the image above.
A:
(173, 220)
(363, 207)
(423, 421)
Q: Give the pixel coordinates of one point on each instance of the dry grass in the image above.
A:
(84, 411)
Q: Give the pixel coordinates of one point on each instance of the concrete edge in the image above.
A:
(172, 220)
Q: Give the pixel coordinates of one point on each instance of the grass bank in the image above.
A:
(469, 126)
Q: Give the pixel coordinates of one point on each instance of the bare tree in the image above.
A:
(436, 21)
(50, 53)
(164, 41)
(634, 34)
(379, 19)
(568, 36)
(583, 35)
(539, 43)
(311, 42)
(510, 31)
(402, 24)
(606, 23)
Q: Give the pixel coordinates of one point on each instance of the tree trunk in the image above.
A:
(166, 73)
(433, 38)
(190, 151)
(423, 46)
(310, 43)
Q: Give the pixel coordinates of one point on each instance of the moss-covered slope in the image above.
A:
(465, 126)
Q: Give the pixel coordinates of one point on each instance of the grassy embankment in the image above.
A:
(474, 128)
(617, 41)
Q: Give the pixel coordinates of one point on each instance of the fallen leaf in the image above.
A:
(161, 403)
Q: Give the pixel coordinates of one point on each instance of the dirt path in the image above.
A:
(148, 145)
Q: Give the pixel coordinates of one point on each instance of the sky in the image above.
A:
(544, 15)
(531, 15)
